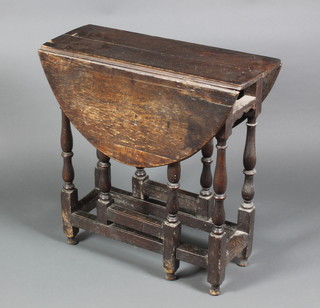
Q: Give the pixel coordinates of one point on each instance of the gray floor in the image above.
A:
(37, 268)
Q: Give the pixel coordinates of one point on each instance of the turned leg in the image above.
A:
(172, 226)
(206, 197)
(69, 194)
(97, 175)
(247, 210)
(217, 237)
(104, 183)
(139, 178)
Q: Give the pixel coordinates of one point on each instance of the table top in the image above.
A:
(194, 62)
(148, 101)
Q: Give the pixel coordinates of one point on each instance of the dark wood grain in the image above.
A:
(172, 225)
(220, 186)
(89, 222)
(135, 220)
(193, 254)
(246, 214)
(173, 174)
(218, 238)
(138, 180)
(157, 208)
(206, 175)
(249, 162)
(216, 65)
(151, 121)
(66, 146)
(69, 194)
(205, 200)
(159, 95)
(105, 199)
(148, 101)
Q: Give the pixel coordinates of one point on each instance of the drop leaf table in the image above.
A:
(147, 101)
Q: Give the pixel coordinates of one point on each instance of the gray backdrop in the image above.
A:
(37, 268)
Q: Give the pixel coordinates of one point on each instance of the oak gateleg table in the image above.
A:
(147, 101)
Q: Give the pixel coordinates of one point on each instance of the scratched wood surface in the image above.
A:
(233, 69)
(148, 101)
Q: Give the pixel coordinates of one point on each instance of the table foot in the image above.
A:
(170, 276)
(72, 241)
(243, 262)
(215, 290)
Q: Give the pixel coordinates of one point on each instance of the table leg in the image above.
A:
(247, 210)
(139, 178)
(217, 237)
(172, 226)
(206, 196)
(104, 199)
(69, 194)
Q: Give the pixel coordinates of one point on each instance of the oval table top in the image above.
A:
(148, 101)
